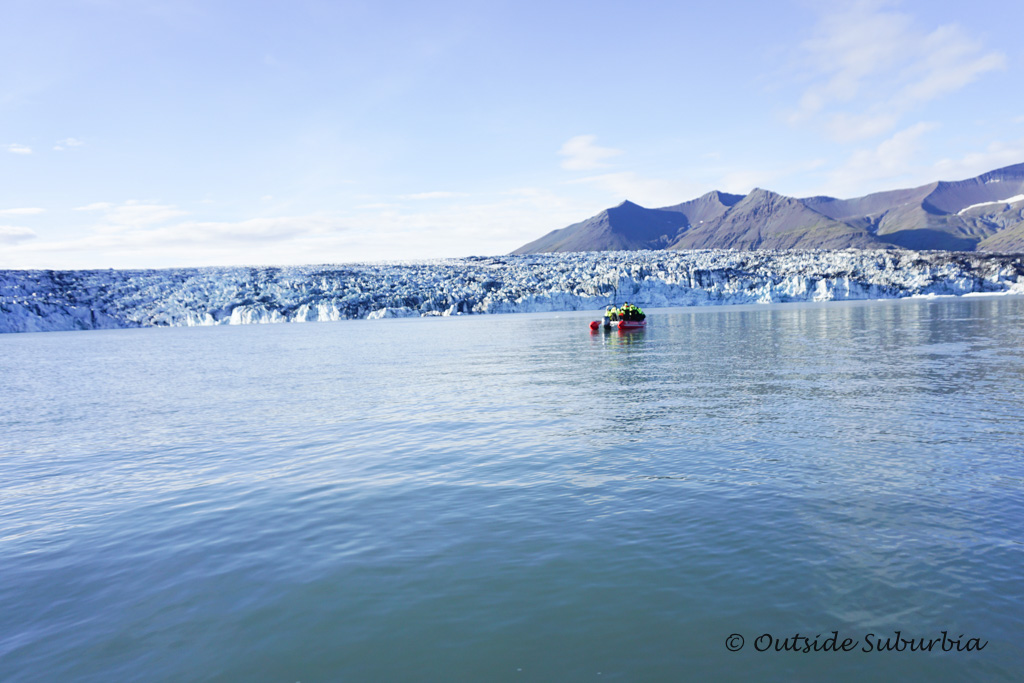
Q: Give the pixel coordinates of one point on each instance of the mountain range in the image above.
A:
(985, 213)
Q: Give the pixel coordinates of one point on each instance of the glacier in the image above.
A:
(51, 300)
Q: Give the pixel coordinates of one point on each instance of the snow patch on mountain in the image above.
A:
(1011, 200)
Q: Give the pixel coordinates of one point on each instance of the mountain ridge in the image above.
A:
(984, 213)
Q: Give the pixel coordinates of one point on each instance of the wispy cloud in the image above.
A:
(743, 180)
(581, 154)
(486, 225)
(434, 195)
(12, 234)
(871, 66)
(61, 145)
(15, 148)
(489, 224)
(209, 242)
(246, 231)
(894, 159)
(897, 162)
(650, 192)
(26, 211)
(374, 206)
(995, 155)
(132, 214)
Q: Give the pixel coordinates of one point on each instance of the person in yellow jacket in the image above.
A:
(631, 312)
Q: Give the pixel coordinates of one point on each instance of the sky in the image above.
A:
(170, 133)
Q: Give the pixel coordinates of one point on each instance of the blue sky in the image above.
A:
(153, 133)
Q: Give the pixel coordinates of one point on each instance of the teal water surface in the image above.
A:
(514, 498)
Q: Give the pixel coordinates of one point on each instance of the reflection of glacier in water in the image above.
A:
(93, 299)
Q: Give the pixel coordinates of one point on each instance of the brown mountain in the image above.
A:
(985, 213)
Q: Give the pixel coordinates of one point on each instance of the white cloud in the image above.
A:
(132, 214)
(525, 192)
(12, 234)
(649, 192)
(896, 162)
(844, 127)
(376, 205)
(950, 60)
(494, 224)
(434, 195)
(184, 243)
(746, 179)
(26, 211)
(581, 154)
(246, 231)
(872, 66)
(883, 166)
(489, 225)
(996, 155)
(67, 142)
(742, 182)
(15, 148)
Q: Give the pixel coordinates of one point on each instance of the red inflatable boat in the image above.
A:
(619, 325)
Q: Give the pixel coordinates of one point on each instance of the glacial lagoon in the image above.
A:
(515, 498)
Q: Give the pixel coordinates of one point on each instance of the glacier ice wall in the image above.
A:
(43, 300)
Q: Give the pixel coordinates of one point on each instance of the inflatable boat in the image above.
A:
(628, 317)
(618, 324)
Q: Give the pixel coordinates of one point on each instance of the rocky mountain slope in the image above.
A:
(979, 214)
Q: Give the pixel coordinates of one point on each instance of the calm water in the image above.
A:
(512, 498)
